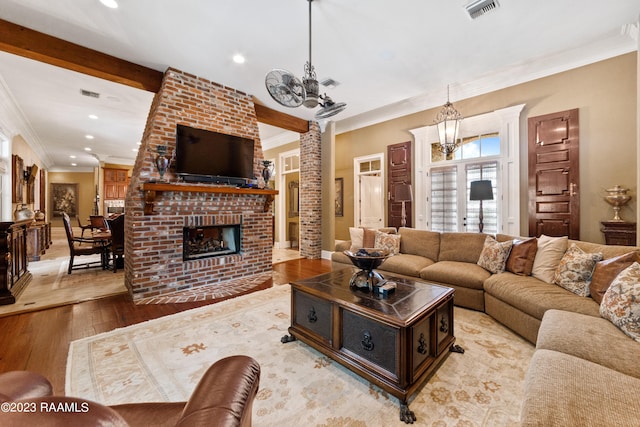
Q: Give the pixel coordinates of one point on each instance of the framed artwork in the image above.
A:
(17, 179)
(339, 196)
(294, 199)
(64, 198)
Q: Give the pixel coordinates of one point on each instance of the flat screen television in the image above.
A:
(207, 156)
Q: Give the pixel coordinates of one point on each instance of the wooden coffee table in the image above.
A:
(396, 341)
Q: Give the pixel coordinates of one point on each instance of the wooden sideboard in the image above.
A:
(38, 240)
(14, 274)
(619, 233)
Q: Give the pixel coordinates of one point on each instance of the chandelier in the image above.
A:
(448, 123)
(287, 90)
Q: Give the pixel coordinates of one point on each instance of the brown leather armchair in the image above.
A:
(223, 397)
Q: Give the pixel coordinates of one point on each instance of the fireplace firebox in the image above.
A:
(210, 241)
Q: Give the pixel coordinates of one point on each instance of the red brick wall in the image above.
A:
(153, 250)
(311, 193)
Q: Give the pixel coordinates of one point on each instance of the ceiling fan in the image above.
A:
(289, 91)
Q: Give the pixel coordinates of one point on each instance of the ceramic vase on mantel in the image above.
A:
(162, 161)
(267, 172)
(617, 197)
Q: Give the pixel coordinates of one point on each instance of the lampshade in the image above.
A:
(403, 193)
(481, 190)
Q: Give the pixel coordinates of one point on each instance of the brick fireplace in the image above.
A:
(154, 264)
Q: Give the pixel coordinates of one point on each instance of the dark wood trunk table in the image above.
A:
(396, 341)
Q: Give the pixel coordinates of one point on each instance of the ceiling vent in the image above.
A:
(89, 93)
(480, 7)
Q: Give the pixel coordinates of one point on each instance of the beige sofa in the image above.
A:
(585, 371)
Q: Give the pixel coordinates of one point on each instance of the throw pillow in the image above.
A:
(388, 242)
(369, 238)
(356, 238)
(548, 256)
(575, 270)
(607, 270)
(621, 302)
(494, 255)
(520, 260)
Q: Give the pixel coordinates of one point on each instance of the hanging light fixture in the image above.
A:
(448, 123)
(287, 90)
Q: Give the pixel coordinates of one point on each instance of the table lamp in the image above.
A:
(403, 194)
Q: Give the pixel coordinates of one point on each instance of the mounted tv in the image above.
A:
(207, 156)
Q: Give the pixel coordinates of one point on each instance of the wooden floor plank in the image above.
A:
(39, 341)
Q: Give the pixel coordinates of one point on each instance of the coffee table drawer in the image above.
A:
(371, 340)
(313, 314)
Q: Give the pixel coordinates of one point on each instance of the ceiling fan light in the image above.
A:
(330, 108)
(311, 88)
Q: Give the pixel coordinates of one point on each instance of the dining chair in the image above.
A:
(76, 250)
(83, 227)
(99, 222)
(117, 240)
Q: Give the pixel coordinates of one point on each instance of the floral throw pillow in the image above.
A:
(621, 302)
(494, 255)
(388, 242)
(575, 270)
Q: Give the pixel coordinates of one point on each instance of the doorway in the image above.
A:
(368, 193)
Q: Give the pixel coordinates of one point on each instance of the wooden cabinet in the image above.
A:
(14, 275)
(619, 233)
(395, 342)
(38, 240)
(116, 182)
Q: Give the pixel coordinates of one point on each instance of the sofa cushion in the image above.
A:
(608, 251)
(462, 247)
(621, 303)
(548, 256)
(575, 269)
(464, 274)
(340, 257)
(607, 270)
(406, 264)
(562, 390)
(356, 234)
(387, 242)
(493, 257)
(569, 333)
(420, 242)
(521, 258)
(534, 297)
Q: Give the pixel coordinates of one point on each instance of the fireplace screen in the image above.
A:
(210, 241)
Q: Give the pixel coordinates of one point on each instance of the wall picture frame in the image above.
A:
(64, 198)
(339, 196)
(17, 179)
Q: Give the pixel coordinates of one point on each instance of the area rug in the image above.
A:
(162, 360)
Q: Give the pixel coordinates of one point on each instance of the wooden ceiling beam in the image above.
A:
(41, 47)
(276, 118)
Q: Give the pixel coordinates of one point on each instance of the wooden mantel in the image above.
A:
(152, 189)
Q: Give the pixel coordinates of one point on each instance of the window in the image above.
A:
(444, 199)
(447, 202)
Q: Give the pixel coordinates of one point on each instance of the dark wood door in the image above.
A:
(554, 175)
(399, 172)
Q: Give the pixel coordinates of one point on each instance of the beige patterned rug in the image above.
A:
(162, 359)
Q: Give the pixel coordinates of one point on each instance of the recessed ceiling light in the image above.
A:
(72, 156)
(89, 136)
(93, 116)
(110, 3)
(87, 148)
(74, 164)
(238, 59)
(135, 150)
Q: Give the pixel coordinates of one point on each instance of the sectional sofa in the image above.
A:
(585, 370)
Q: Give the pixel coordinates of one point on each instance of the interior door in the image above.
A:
(371, 201)
(554, 175)
(399, 172)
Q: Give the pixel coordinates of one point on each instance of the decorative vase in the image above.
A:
(162, 162)
(22, 212)
(267, 172)
(617, 197)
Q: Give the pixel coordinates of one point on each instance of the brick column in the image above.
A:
(311, 193)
